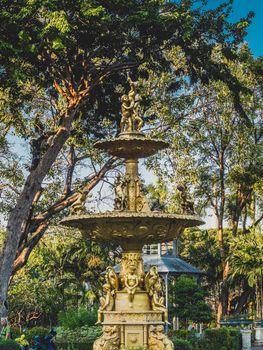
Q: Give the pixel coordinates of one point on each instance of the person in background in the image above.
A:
(23, 342)
(6, 329)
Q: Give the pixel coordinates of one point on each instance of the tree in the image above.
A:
(246, 261)
(68, 51)
(215, 157)
(187, 301)
(61, 273)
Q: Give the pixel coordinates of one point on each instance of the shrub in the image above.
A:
(182, 334)
(217, 338)
(73, 319)
(9, 345)
(224, 339)
(181, 344)
(15, 332)
(214, 339)
(32, 332)
(84, 335)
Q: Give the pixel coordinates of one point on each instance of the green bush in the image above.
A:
(217, 338)
(83, 335)
(181, 344)
(182, 334)
(9, 345)
(200, 344)
(32, 332)
(73, 319)
(75, 346)
(15, 332)
(214, 339)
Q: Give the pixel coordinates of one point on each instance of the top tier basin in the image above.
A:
(131, 145)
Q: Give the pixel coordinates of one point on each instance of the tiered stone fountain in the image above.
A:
(132, 310)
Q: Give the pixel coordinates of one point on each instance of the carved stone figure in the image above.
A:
(120, 194)
(158, 340)
(135, 99)
(126, 110)
(107, 302)
(186, 204)
(158, 300)
(132, 263)
(131, 282)
(130, 108)
(151, 279)
(78, 207)
(110, 339)
(112, 279)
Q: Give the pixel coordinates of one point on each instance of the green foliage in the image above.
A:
(54, 280)
(32, 332)
(246, 258)
(223, 339)
(82, 335)
(213, 339)
(73, 319)
(75, 346)
(187, 300)
(180, 344)
(9, 345)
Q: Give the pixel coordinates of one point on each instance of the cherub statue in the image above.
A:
(158, 300)
(112, 279)
(78, 207)
(107, 302)
(151, 279)
(135, 99)
(131, 283)
(130, 108)
(120, 195)
(126, 110)
(186, 204)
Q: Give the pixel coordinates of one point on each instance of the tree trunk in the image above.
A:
(224, 295)
(18, 218)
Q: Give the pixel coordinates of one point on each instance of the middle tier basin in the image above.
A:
(132, 230)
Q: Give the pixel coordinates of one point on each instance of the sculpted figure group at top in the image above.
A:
(130, 108)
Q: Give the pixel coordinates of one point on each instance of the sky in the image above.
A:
(255, 31)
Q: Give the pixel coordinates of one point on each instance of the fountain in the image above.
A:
(132, 310)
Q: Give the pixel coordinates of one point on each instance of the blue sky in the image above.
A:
(255, 31)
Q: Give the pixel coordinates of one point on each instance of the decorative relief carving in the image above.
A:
(110, 339)
(131, 317)
(158, 340)
(132, 274)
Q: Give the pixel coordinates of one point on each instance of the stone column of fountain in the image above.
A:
(132, 310)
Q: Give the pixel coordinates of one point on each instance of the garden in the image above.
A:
(192, 71)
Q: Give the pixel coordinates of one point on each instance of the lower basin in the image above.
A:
(131, 229)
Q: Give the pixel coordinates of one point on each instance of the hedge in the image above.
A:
(84, 335)
(9, 345)
(213, 339)
(181, 344)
